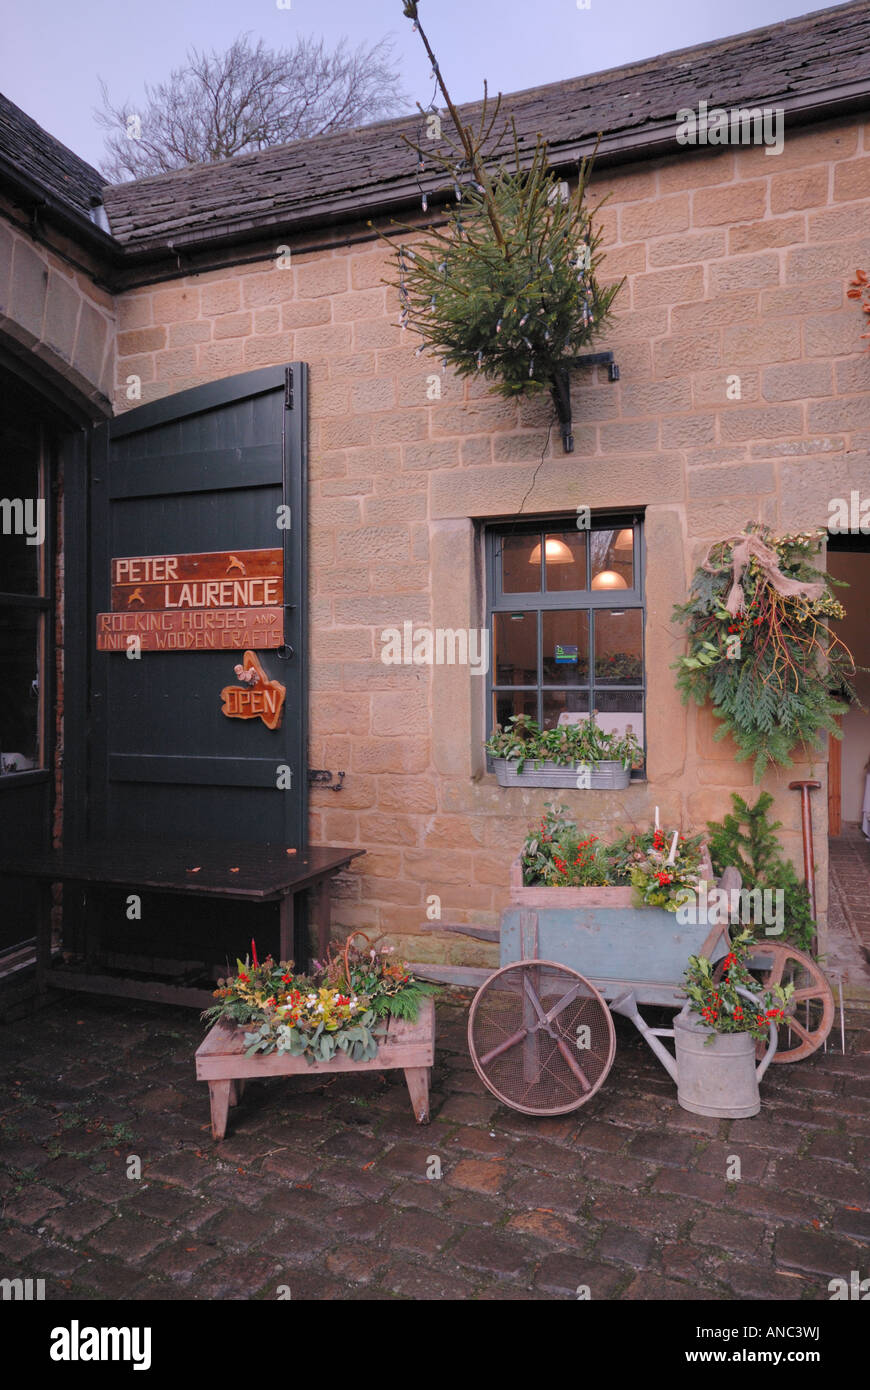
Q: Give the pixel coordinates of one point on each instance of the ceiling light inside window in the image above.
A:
(557, 552)
(609, 579)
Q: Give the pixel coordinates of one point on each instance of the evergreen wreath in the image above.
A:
(510, 289)
(760, 645)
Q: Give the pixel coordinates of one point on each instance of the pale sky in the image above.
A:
(55, 51)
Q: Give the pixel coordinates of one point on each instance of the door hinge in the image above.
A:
(288, 388)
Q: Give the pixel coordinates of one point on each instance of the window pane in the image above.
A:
(22, 512)
(612, 558)
(608, 702)
(565, 556)
(520, 566)
(618, 647)
(20, 630)
(566, 647)
(516, 648)
(558, 702)
(510, 702)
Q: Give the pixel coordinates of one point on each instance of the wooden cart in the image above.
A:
(586, 948)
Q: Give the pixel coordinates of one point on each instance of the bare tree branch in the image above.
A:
(248, 98)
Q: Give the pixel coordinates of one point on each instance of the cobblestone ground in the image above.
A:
(850, 882)
(322, 1187)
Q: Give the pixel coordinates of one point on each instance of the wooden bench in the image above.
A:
(232, 871)
(220, 1061)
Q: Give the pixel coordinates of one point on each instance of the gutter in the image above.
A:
(64, 214)
(654, 140)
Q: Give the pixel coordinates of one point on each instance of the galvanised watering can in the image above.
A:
(718, 1078)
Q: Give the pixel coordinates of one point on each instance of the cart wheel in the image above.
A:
(810, 1014)
(541, 1037)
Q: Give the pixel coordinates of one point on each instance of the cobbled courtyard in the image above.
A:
(321, 1190)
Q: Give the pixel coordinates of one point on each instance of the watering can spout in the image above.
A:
(626, 1005)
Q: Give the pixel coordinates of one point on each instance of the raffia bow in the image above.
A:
(747, 546)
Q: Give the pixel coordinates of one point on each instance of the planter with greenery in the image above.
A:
(724, 1026)
(722, 1006)
(607, 909)
(761, 648)
(343, 1006)
(580, 755)
(648, 868)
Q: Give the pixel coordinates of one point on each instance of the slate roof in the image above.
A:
(28, 148)
(798, 63)
(813, 65)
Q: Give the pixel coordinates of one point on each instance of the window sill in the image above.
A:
(490, 780)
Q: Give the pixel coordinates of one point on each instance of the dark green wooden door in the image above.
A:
(220, 468)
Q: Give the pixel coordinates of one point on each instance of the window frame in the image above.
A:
(588, 599)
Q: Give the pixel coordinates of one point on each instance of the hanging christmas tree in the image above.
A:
(509, 289)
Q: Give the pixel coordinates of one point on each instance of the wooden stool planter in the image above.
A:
(221, 1061)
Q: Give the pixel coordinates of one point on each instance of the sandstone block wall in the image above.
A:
(57, 313)
(737, 264)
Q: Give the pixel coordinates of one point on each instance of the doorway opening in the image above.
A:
(849, 757)
(29, 486)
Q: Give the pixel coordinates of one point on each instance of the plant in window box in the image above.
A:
(581, 755)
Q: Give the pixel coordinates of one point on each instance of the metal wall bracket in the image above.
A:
(560, 389)
(322, 777)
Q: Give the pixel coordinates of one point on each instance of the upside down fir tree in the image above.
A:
(509, 289)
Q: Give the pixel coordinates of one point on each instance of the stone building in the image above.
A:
(736, 261)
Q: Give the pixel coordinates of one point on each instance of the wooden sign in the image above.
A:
(258, 698)
(193, 630)
(215, 601)
(221, 579)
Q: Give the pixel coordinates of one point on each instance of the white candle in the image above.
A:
(673, 854)
(657, 818)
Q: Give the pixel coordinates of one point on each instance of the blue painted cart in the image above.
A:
(616, 946)
(540, 1031)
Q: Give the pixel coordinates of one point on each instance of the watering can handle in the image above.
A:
(774, 1038)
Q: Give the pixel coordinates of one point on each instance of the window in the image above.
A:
(566, 619)
(25, 605)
